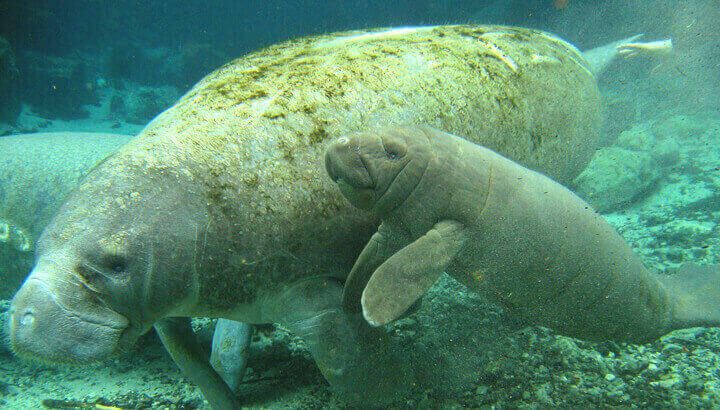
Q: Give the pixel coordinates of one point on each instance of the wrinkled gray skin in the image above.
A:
(37, 172)
(448, 205)
(220, 208)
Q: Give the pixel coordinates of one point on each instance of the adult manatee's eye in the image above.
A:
(393, 149)
(114, 263)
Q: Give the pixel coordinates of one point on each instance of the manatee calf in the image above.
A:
(448, 205)
(221, 206)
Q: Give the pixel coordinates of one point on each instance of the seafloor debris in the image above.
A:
(72, 404)
(126, 402)
(15, 236)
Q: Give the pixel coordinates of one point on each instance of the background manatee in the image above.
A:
(37, 172)
(220, 207)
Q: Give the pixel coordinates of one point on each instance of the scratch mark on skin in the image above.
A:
(147, 288)
(501, 55)
(204, 246)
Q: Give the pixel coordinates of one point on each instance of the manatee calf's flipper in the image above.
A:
(360, 363)
(230, 348)
(180, 341)
(405, 276)
(696, 293)
(380, 247)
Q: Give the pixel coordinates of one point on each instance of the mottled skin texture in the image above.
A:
(448, 205)
(230, 350)
(220, 207)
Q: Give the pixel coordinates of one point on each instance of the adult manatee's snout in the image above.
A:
(62, 321)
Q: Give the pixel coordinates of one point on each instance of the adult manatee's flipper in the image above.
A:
(230, 349)
(405, 277)
(180, 341)
(357, 360)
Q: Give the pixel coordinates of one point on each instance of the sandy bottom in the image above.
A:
(147, 378)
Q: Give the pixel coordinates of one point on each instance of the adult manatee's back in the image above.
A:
(521, 92)
(254, 131)
(220, 207)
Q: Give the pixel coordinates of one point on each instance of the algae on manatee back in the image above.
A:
(521, 92)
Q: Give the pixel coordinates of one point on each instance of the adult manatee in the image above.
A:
(37, 172)
(220, 207)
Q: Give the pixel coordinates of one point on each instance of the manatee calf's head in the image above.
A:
(118, 256)
(378, 170)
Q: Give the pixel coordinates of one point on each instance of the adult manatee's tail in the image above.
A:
(600, 57)
(696, 293)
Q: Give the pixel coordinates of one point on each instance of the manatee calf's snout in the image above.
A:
(335, 151)
(42, 327)
(347, 167)
(343, 161)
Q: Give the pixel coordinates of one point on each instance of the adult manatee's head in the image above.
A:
(378, 170)
(120, 254)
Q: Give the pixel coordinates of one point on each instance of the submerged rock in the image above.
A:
(616, 177)
(142, 104)
(58, 87)
(626, 171)
(683, 127)
(15, 236)
(4, 345)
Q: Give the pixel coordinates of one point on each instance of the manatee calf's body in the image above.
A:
(449, 205)
(221, 208)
